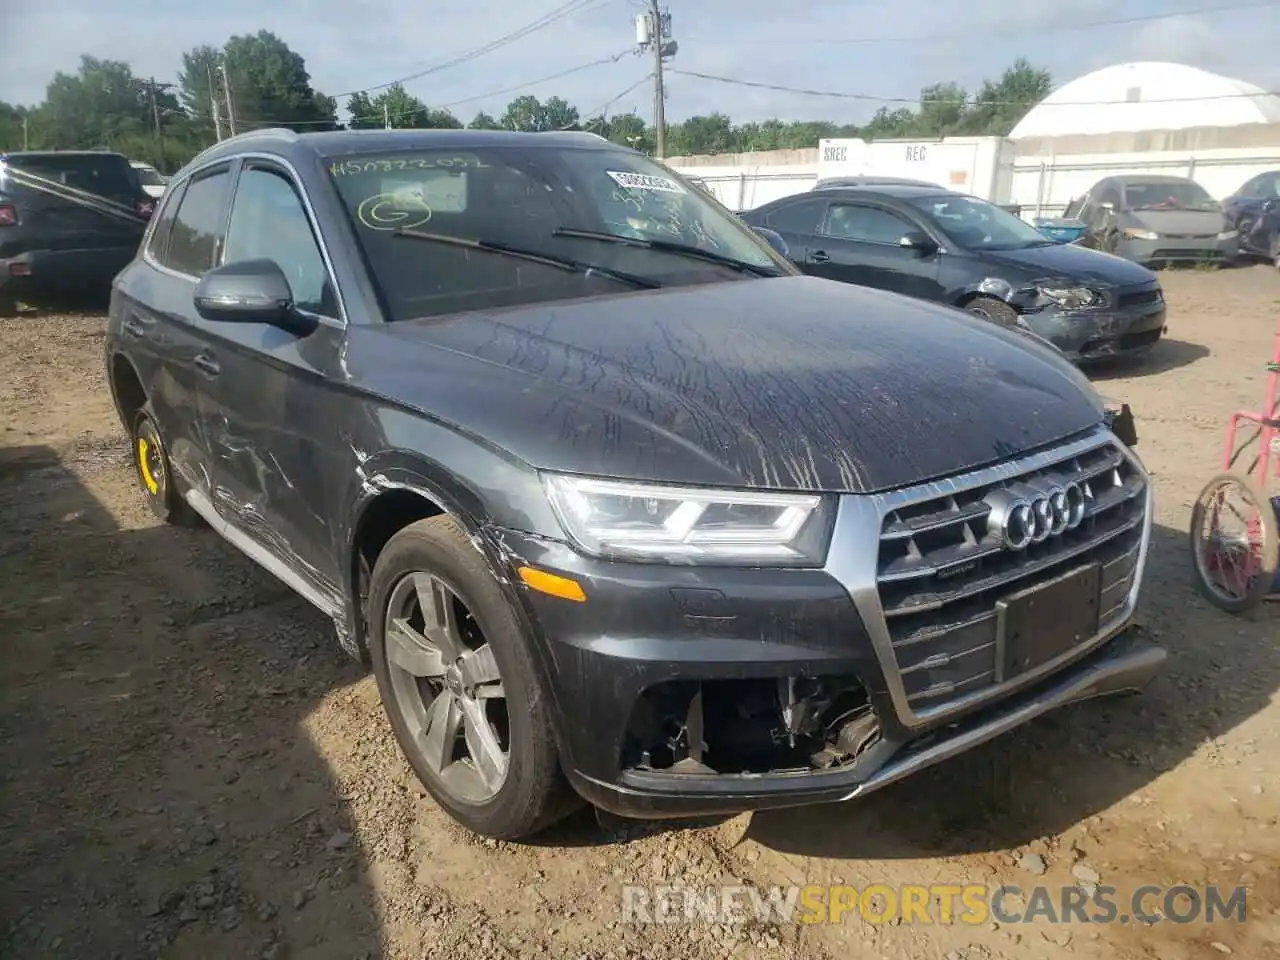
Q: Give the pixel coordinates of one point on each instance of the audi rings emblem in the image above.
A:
(1026, 514)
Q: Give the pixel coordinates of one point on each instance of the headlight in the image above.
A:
(1227, 235)
(1073, 296)
(642, 521)
(1132, 234)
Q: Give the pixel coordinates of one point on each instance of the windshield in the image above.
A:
(1168, 195)
(104, 174)
(976, 224)
(149, 176)
(533, 199)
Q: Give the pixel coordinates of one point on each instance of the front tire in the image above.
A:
(997, 311)
(459, 684)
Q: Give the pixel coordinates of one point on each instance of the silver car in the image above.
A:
(1155, 219)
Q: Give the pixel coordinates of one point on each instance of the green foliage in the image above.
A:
(483, 121)
(530, 115)
(272, 87)
(399, 109)
(103, 105)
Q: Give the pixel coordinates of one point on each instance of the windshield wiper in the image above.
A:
(562, 263)
(680, 249)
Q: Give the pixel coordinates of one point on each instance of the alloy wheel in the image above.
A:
(447, 687)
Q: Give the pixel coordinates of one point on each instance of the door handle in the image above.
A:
(132, 328)
(207, 365)
(819, 256)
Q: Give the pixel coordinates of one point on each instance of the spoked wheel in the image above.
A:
(446, 682)
(1234, 543)
(459, 685)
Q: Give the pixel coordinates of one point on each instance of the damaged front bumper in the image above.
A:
(689, 690)
(1123, 665)
(1122, 327)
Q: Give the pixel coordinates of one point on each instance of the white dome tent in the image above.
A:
(1132, 97)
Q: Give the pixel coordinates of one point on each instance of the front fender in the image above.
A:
(475, 510)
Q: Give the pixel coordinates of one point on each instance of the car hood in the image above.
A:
(1171, 222)
(791, 383)
(1065, 261)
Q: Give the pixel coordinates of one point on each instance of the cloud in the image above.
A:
(350, 46)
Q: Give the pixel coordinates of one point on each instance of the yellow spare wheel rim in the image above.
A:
(144, 464)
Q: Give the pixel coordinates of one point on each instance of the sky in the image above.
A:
(866, 47)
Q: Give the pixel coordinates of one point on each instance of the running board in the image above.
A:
(261, 556)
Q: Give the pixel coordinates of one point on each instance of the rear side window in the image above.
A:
(158, 245)
(107, 175)
(196, 238)
(868, 224)
(801, 217)
(149, 176)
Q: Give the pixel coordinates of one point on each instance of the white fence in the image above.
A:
(1041, 176)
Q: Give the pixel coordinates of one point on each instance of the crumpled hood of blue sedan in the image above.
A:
(792, 383)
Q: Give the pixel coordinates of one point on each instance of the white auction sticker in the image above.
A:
(643, 181)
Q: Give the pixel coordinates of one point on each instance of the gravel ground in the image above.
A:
(191, 768)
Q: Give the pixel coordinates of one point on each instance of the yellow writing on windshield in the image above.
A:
(356, 167)
(393, 211)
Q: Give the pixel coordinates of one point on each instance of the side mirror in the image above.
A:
(250, 291)
(774, 240)
(920, 242)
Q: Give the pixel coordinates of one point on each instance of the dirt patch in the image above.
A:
(192, 769)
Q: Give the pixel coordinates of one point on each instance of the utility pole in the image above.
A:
(386, 117)
(154, 87)
(26, 132)
(229, 97)
(213, 104)
(653, 30)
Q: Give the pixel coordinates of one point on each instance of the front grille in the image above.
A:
(1138, 298)
(941, 571)
(1206, 254)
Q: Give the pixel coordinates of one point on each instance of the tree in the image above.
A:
(198, 66)
(529, 114)
(710, 134)
(1000, 105)
(104, 105)
(96, 106)
(394, 106)
(942, 110)
(270, 85)
(626, 129)
(440, 119)
(558, 114)
(13, 134)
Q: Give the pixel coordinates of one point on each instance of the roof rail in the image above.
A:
(283, 132)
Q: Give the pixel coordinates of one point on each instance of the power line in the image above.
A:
(592, 118)
(479, 96)
(916, 101)
(553, 16)
(533, 83)
(990, 29)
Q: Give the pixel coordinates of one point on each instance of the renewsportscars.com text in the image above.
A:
(971, 904)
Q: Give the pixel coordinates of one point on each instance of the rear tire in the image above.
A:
(446, 648)
(997, 311)
(155, 476)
